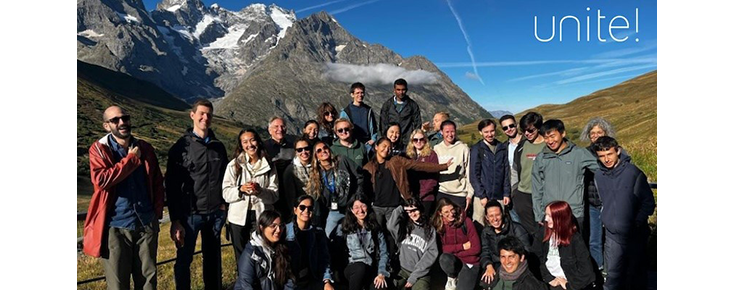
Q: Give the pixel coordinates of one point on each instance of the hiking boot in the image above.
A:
(451, 284)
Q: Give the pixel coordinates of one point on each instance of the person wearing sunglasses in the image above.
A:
(489, 170)
(423, 183)
(122, 220)
(296, 175)
(250, 187)
(510, 129)
(307, 246)
(333, 180)
(327, 114)
(265, 264)
(363, 239)
(523, 158)
(347, 145)
(411, 228)
(362, 117)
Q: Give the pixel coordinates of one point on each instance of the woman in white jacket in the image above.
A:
(250, 186)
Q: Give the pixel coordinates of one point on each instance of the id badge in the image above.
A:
(334, 205)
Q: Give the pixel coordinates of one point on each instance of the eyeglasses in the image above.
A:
(325, 149)
(531, 130)
(411, 210)
(446, 213)
(360, 207)
(511, 126)
(416, 140)
(328, 114)
(274, 226)
(343, 130)
(304, 208)
(299, 150)
(115, 120)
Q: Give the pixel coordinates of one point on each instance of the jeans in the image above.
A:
(626, 260)
(334, 218)
(132, 252)
(595, 235)
(454, 268)
(382, 215)
(210, 226)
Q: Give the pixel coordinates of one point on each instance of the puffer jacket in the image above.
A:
(589, 180)
(265, 176)
(255, 271)
(490, 172)
(194, 175)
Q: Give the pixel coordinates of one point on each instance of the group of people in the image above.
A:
(362, 202)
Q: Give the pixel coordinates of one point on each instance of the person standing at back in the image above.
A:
(281, 152)
(361, 116)
(510, 129)
(121, 226)
(402, 110)
(195, 171)
(523, 157)
(454, 182)
(489, 170)
(436, 137)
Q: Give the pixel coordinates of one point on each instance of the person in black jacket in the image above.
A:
(400, 109)
(498, 225)
(195, 171)
(489, 170)
(565, 260)
(513, 269)
(265, 263)
(627, 201)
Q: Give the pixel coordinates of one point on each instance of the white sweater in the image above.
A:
(454, 181)
(261, 174)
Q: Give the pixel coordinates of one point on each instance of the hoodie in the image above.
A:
(561, 177)
(455, 180)
(357, 152)
(417, 251)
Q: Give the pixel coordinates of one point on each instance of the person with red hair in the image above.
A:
(565, 260)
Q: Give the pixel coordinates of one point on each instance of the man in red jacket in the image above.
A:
(122, 219)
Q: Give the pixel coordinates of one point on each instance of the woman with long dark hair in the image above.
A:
(307, 245)
(327, 114)
(418, 250)
(333, 180)
(296, 175)
(311, 131)
(366, 247)
(265, 262)
(423, 183)
(460, 258)
(393, 133)
(565, 260)
(250, 186)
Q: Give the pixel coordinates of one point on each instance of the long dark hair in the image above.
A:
(281, 262)
(350, 225)
(323, 108)
(406, 225)
(262, 153)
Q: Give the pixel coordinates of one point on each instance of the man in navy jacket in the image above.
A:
(627, 201)
(489, 170)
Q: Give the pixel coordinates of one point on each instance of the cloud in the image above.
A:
(566, 72)
(348, 8)
(544, 62)
(604, 73)
(627, 51)
(471, 76)
(318, 6)
(381, 73)
(467, 39)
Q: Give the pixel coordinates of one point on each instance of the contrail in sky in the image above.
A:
(348, 8)
(318, 6)
(467, 39)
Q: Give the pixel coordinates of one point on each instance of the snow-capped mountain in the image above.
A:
(183, 46)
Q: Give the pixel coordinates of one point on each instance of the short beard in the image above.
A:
(119, 135)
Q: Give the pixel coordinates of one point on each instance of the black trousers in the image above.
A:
(360, 276)
(241, 235)
(523, 205)
(454, 268)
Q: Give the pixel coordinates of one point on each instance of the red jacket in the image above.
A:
(105, 175)
(453, 239)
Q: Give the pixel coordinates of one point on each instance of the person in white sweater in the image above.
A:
(454, 183)
(250, 187)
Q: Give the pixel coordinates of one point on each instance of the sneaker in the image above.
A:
(451, 284)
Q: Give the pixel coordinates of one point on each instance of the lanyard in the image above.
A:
(329, 184)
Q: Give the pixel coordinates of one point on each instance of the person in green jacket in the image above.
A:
(558, 172)
(347, 145)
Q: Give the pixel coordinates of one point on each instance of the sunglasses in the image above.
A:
(325, 149)
(299, 150)
(328, 114)
(531, 130)
(115, 120)
(411, 210)
(416, 140)
(343, 130)
(304, 208)
(511, 126)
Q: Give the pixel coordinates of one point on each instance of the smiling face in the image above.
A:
(202, 118)
(437, 120)
(609, 158)
(448, 133)
(117, 122)
(419, 141)
(277, 128)
(357, 95)
(394, 132)
(413, 213)
(303, 151)
(304, 210)
(329, 116)
(249, 145)
(488, 133)
(554, 140)
(494, 217)
(272, 233)
(530, 133)
(596, 132)
(547, 218)
(342, 129)
(447, 213)
(359, 209)
(383, 149)
(322, 152)
(510, 260)
(311, 131)
(512, 130)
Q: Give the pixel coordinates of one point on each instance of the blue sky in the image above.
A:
(489, 48)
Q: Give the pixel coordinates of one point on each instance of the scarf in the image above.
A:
(301, 171)
(522, 267)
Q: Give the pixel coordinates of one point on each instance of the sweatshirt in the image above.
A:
(357, 152)
(454, 181)
(417, 252)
